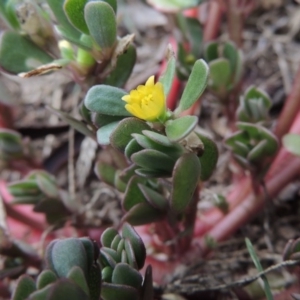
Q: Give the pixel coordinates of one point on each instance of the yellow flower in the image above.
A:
(147, 102)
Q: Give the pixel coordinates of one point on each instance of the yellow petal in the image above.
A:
(126, 98)
(150, 81)
(135, 110)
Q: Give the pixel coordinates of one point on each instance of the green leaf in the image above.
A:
(106, 100)
(230, 52)
(167, 77)
(63, 255)
(153, 159)
(112, 3)
(141, 214)
(186, 175)
(116, 291)
(115, 242)
(195, 36)
(8, 11)
(59, 290)
(47, 185)
(103, 133)
(173, 5)
(211, 51)
(158, 138)
(209, 159)
(259, 268)
(10, 142)
(121, 136)
(154, 198)
(108, 236)
(179, 128)
(255, 93)
(220, 75)
(129, 233)
(195, 86)
(102, 120)
(151, 173)
(106, 274)
(124, 274)
(125, 63)
(291, 142)
(132, 147)
(25, 287)
(101, 22)
(105, 172)
(74, 9)
(147, 289)
(133, 195)
(107, 259)
(18, 54)
(57, 9)
(76, 124)
(45, 278)
(78, 277)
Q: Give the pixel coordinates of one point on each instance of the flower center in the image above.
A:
(146, 100)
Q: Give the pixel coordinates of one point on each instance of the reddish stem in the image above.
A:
(6, 116)
(212, 26)
(290, 110)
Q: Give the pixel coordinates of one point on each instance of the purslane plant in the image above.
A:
(158, 144)
(77, 269)
(84, 40)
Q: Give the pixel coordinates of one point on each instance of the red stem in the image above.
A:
(212, 26)
(290, 110)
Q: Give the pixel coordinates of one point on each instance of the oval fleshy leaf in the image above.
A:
(125, 63)
(105, 172)
(78, 277)
(57, 9)
(154, 198)
(106, 100)
(220, 75)
(124, 274)
(133, 194)
(179, 128)
(101, 22)
(18, 54)
(151, 173)
(195, 86)
(186, 177)
(173, 6)
(108, 236)
(74, 10)
(167, 77)
(103, 133)
(128, 232)
(153, 159)
(117, 291)
(45, 278)
(141, 214)
(291, 142)
(25, 287)
(211, 51)
(147, 289)
(121, 136)
(107, 273)
(63, 255)
(132, 147)
(209, 158)
(157, 138)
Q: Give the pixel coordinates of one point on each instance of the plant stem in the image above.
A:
(6, 116)
(290, 110)
(212, 26)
